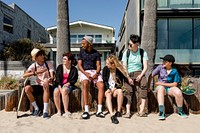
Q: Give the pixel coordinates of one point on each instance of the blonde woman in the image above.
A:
(113, 76)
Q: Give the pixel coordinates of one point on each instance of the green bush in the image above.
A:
(8, 83)
(19, 50)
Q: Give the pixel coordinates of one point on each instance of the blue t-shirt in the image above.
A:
(161, 71)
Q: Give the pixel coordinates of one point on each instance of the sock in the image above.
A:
(86, 108)
(180, 109)
(161, 108)
(99, 108)
(35, 105)
(45, 110)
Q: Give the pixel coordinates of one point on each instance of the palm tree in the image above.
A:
(63, 31)
(149, 32)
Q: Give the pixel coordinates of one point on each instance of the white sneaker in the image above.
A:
(58, 114)
(67, 115)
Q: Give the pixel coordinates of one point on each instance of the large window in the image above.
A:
(7, 24)
(98, 38)
(180, 4)
(197, 33)
(176, 4)
(78, 38)
(162, 34)
(73, 38)
(178, 33)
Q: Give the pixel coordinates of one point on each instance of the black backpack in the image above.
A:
(141, 54)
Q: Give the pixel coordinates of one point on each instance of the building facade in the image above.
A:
(103, 38)
(178, 30)
(16, 24)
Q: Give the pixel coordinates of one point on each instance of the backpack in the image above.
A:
(141, 54)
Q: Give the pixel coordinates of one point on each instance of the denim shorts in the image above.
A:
(70, 88)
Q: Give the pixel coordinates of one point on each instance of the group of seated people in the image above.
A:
(117, 80)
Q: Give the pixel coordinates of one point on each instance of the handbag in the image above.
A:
(120, 84)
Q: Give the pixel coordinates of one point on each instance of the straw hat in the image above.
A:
(34, 52)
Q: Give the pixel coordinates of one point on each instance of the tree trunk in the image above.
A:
(149, 32)
(63, 33)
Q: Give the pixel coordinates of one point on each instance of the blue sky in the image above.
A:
(106, 12)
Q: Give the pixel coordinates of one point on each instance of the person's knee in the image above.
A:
(120, 92)
(65, 91)
(85, 84)
(160, 89)
(46, 89)
(178, 93)
(56, 93)
(28, 89)
(143, 93)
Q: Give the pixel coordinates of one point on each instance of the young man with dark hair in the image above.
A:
(89, 63)
(136, 66)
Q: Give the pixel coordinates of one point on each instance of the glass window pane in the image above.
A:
(197, 33)
(180, 33)
(80, 37)
(73, 38)
(196, 3)
(98, 38)
(180, 3)
(162, 34)
(162, 3)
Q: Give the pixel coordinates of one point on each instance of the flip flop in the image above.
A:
(127, 115)
(142, 114)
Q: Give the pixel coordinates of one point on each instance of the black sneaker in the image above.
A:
(114, 119)
(36, 113)
(85, 115)
(118, 114)
(161, 116)
(46, 115)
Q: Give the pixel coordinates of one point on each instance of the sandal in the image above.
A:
(100, 114)
(142, 114)
(127, 115)
(85, 115)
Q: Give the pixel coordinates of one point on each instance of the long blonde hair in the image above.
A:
(113, 60)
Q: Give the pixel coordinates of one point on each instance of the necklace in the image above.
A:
(66, 70)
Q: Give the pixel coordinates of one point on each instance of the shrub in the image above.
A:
(8, 83)
(19, 50)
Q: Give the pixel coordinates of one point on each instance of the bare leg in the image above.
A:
(57, 100)
(100, 87)
(160, 94)
(85, 89)
(65, 99)
(119, 94)
(175, 92)
(109, 102)
(29, 93)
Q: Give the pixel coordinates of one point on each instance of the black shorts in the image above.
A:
(38, 90)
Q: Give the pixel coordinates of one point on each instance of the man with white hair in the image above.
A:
(44, 76)
(89, 63)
